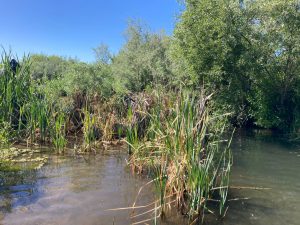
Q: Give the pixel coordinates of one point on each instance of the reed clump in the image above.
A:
(89, 130)
(25, 112)
(6, 134)
(16, 97)
(29, 112)
(183, 149)
(59, 132)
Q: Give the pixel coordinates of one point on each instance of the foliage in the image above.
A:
(276, 34)
(247, 52)
(103, 54)
(89, 129)
(25, 112)
(199, 41)
(5, 134)
(143, 61)
(82, 78)
(48, 67)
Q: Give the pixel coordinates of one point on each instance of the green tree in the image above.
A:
(84, 78)
(102, 54)
(48, 67)
(210, 41)
(143, 61)
(276, 33)
(245, 51)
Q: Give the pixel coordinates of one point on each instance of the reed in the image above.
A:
(132, 133)
(59, 132)
(22, 104)
(44, 113)
(89, 125)
(183, 148)
(5, 134)
(15, 92)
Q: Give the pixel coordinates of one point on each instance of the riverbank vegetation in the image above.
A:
(228, 63)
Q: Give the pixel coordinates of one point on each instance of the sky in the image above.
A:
(71, 28)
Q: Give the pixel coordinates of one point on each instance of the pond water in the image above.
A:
(74, 189)
(263, 160)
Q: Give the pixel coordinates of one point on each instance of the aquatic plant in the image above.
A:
(22, 106)
(108, 127)
(89, 125)
(15, 91)
(59, 132)
(5, 134)
(37, 119)
(132, 133)
(183, 148)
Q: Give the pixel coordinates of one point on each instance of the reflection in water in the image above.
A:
(17, 188)
(80, 189)
(264, 161)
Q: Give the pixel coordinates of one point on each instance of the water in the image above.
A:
(262, 160)
(79, 189)
(76, 190)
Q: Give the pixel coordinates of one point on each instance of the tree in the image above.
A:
(247, 52)
(48, 67)
(209, 40)
(276, 33)
(102, 54)
(143, 61)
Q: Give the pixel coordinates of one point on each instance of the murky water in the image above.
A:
(81, 189)
(77, 190)
(261, 160)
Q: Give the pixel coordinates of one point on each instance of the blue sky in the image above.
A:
(73, 27)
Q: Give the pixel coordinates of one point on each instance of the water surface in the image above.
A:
(263, 160)
(74, 189)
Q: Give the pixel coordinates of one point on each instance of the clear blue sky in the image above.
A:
(74, 27)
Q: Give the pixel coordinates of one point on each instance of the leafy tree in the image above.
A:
(247, 52)
(84, 78)
(199, 40)
(210, 40)
(48, 67)
(276, 33)
(102, 54)
(143, 61)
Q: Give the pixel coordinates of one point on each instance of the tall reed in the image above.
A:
(22, 104)
(132, 132)
(89, 125)
(14, 88)
(59, 132)
(5, 134)
(183, 147)
(15, 92)
(37, 119)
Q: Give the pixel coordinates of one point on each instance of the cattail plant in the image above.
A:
(59, 132)
(183, 148)
(132, 133)
(89, 125)
(15, 91)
